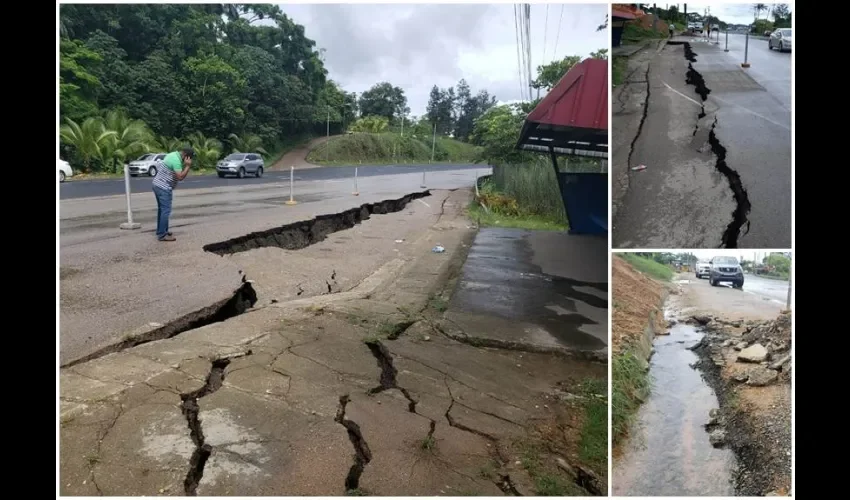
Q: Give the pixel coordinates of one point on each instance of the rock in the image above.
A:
(717, 438)
(760, 377)
(741, 377)
(718, 360)
(672, 323)
(728, 343)
(756, 353)
(714, 418)
(780, 362)
(740, 346)
(737, 324)
(662, 332)
(701, 320)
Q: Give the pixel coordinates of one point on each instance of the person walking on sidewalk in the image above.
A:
(169, 171)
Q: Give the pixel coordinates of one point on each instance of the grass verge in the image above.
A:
(390, 148)
(634, 33)
(533, 222)
(619, 66)
(593, 447)
(648, 266)
(630, 385)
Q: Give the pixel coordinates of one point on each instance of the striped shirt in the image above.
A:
(166, 175)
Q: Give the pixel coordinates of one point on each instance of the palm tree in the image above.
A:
(248, 143)
(88, 139)
(207, 149)
(759, 8)
(132, 137)
(167, 144)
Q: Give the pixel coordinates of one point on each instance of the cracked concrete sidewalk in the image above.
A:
(347, 392)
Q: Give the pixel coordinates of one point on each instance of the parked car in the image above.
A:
(702, 270)
(145, 164)
(240, 164)
(725, 269)
(65, 170)
(780, 40)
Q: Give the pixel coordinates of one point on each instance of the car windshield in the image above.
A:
(145, 158)
(235, 157)
(785, 32)
(726, 261)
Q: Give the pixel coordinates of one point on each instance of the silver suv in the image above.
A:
(725, 269)
(702, 270)
(239, 164)
(145, 164)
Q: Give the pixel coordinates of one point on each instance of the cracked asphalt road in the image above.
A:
(681, 200)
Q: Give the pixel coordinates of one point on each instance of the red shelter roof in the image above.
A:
(618, 13)
(573, 117)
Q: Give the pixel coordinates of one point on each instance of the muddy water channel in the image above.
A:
(668, 451)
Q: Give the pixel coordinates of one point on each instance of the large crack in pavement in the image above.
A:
(740, 216)
(293, 236)
(302, 234)
(191, 410)
(362, 453)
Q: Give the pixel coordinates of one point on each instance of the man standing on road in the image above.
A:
(172, 169)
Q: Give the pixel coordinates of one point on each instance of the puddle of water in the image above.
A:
(668, 452)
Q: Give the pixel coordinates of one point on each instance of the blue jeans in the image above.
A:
(163, 210)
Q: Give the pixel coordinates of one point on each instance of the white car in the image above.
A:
(145, 164)
(780, 40)
(703, 270)
(65, 170)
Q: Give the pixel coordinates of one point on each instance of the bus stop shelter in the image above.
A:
(572, 120)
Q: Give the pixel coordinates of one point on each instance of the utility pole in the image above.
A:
(434, 142)
(328, 140)
(788, 300)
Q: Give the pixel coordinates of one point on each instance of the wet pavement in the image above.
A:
(550, 286)
(761, 298)
(668, 452)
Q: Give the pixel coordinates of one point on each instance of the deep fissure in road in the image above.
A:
(642, 118)
(730, 236)
(298, 235)
(362, 453)
(388, 373)
(293, 236)
(242, 299)
(191, 409)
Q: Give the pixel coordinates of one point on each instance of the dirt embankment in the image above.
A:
(748, 364)
(637, 298)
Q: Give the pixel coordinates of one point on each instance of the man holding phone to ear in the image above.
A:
(171, 170)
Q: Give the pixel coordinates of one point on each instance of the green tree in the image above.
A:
(548, 75)
(383, 99)
(86, 139)
(247, 143)
(497, 131)
(207, 149)
(371, 124)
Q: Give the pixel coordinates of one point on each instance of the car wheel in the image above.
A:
(220, 175)
(241, 173)
(152, 172)
(61, 176)
(259, 172)
(712, 282)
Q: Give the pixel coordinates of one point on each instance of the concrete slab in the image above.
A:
(503, 279)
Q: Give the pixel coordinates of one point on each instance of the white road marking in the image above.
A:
(681, 94)
(748, 110)
(422, 202)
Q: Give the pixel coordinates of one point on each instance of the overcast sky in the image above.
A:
(416, 46)
(731, 13)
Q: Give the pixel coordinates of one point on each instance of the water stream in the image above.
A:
(668, 452)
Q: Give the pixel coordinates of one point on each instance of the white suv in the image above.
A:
(703, 270)
(145, 164)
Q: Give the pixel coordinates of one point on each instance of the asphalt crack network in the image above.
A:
(642, 118)
(740, 221)
(191, 410)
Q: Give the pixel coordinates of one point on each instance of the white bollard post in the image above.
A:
(356, 191)
(423, 179)
(291, 200)
(477, 194)
(746, 63)
(127, 190)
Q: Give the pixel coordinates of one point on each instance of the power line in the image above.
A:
(528, 46)
(518, 54)
(545, 32)
(558, 34)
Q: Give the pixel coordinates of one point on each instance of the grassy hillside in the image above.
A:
(387, 148)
